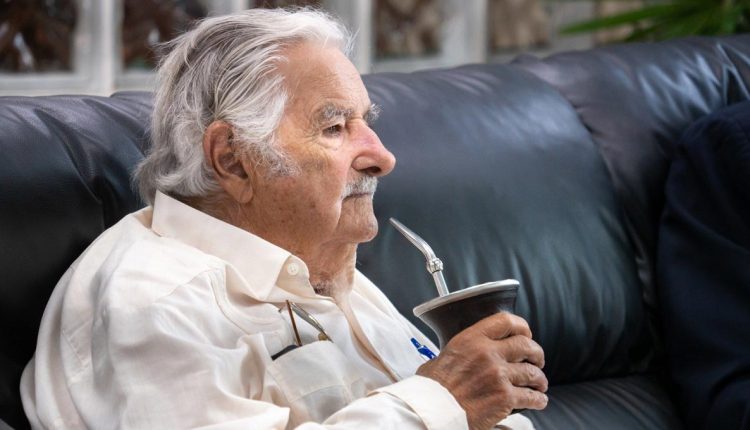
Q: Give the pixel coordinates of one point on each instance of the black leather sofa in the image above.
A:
(548, 171)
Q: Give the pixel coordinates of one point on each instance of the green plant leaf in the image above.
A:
(625, 18)
(675, 18)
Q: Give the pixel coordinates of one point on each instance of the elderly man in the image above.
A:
(260, 179)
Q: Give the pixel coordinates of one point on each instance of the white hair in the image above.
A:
(225, 69)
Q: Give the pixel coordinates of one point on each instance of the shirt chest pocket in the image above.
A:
(314, 381)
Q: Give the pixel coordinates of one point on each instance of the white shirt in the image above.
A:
(171, 317)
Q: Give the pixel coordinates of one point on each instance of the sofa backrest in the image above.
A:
(64, 178)
(548, 171)
(636, 100)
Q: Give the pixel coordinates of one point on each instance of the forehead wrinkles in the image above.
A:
(323, 91)
(309, 92)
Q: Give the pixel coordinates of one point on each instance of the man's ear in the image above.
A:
(224, 158)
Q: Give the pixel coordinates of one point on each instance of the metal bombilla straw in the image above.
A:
(434, 264)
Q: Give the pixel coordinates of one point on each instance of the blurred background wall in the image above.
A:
(102, 46)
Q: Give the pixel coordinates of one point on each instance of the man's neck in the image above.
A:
(331, 265)
(332, 269)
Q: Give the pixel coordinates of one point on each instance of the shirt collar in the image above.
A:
(260, 262)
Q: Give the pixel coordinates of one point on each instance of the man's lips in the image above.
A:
(354, 195)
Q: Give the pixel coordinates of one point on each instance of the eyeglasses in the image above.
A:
(294, 308)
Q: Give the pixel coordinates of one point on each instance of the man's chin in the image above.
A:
(366, 231)
(362, 230)
(357, 219)
(372, 233)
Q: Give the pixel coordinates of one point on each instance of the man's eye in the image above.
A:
(333, 131)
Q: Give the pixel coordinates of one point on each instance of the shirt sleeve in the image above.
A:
(433, 403)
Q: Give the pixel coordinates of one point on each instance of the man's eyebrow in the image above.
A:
(373, 113)
(331, 111)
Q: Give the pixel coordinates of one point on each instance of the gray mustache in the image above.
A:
(363, 185)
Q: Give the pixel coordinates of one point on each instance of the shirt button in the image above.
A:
(292, 269)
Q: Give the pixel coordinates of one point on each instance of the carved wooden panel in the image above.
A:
(407, 28)
(37, 35)
(517, 24)
(146, 23)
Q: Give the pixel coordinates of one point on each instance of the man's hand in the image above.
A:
(491, 368)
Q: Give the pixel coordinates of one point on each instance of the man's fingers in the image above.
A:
(527, 375)
(517, 349)
(527, 398)
(502, 325)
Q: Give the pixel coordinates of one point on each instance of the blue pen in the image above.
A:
(423, 349)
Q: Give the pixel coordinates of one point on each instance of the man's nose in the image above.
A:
(372, 158)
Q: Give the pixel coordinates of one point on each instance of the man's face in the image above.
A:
(325, 133)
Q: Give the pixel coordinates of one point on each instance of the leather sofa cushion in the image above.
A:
(496, 172)
(704, 270)
(625, 403)
(636, 100)
(66, 162)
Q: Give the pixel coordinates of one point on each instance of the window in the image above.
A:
(103, 46)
